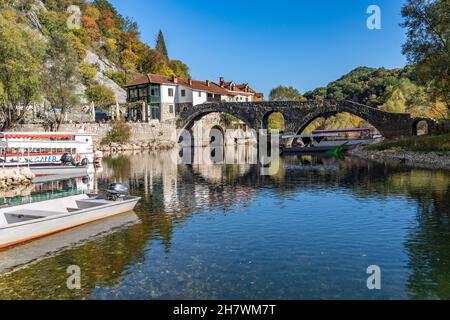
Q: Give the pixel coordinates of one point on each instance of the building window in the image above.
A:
(199, 94)
(171, 108)
(183, 93)
(154, 91)
(143, 92)
(133, 93)
(170, 92)
(155, 111)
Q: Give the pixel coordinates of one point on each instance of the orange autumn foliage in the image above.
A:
(107, 20)
(91, 27)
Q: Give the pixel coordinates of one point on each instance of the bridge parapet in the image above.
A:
(298, 115)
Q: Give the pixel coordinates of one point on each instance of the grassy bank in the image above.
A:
(437, 143)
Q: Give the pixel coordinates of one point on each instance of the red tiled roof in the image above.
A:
(213, 87)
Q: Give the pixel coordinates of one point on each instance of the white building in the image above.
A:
(162, 96)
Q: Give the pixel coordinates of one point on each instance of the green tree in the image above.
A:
(161, 45)
(131, 26)
(363, 85)
(100, 95)
(428, 32)
(120, 133)
(180, 69)
(276, 122)
(119, 76)
(106, 6)
(282, 93)
(21, 60)
(61, 78)
(151, 61)
(88, 73)
(395, 103)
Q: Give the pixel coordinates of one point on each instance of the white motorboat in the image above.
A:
(27, 222)
(54, 245)
(61, 170)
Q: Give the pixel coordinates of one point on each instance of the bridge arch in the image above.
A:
(420, 127)
(216, 135)
(298, 115)
(189, 122)
(353, 109)
(317, 116)
(274, 115)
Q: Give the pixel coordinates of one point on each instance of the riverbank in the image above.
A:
(150, 146)
(428, 160)
(14, 177)
(432, 152)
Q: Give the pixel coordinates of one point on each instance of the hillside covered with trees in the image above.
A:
(55, 54)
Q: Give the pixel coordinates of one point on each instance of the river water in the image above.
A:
(228, 232)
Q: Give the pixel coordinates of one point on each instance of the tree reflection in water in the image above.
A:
(173, 193)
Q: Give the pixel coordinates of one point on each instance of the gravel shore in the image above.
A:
(429, 160)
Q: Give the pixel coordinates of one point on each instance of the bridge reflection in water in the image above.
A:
(226, 231)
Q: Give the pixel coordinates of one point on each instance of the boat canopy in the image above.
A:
(41, 144)
(332, 131)
(310, 136)
(42, 135)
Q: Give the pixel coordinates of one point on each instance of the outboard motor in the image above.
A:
(84, 162)
(116, 191)
(67, 159)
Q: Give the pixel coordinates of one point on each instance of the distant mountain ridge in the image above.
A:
(394, 90)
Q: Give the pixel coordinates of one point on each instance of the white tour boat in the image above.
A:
(350, 137)
(327, 140)
(38, 149)
(27, 222)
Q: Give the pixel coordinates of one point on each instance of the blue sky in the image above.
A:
(303, 43)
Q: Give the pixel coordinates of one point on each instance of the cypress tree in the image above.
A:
(161, 45)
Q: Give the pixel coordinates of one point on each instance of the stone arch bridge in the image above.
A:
(298, 115)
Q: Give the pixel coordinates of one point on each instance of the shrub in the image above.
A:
(229, 119)
(88, 73)
(78, 45)
(100, 95)
(426, 143)
(120, 133)
(119, 77)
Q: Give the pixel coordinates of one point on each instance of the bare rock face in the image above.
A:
(32, 15)
(91, 57)
(104, 65)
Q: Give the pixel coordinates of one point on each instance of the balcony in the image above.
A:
(215, 99)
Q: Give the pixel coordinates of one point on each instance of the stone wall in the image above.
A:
(153, 132)
(227, 134)
(444, 126)
(12, 177)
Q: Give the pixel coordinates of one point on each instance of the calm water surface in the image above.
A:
(226, 232)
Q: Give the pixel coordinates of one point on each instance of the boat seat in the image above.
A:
(90, 203)
(34, 213)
